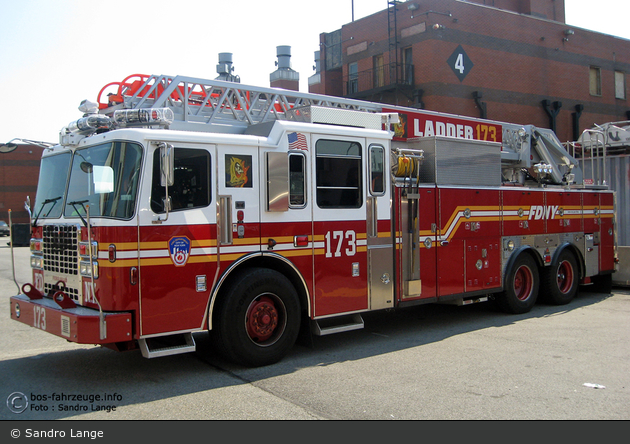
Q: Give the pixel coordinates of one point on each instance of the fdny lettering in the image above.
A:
(442, 129)
(179, 247)
(538, 212)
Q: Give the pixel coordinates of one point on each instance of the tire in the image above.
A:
(521, 286)
(560, 280)
(258, 318)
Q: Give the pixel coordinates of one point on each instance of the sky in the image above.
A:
(56, 53)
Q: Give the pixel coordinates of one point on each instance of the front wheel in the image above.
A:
(560, 280)
(258, 317)
(521, 286)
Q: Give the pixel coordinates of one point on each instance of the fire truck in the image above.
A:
(178, 205)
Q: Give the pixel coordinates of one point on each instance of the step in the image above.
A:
(329, 326)
(167, 345)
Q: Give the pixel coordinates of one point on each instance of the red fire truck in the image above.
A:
(177, 205)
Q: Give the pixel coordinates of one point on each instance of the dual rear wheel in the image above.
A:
(558, 283)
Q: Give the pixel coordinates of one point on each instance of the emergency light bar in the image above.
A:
(143, 116)
(90, 124)
(93, 123)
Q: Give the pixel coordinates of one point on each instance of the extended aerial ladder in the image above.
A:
(218, 106)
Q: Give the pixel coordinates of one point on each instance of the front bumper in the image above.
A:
(77, 324)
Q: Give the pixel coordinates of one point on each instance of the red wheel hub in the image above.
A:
(262, 319)
(565, 277)
(523, 283)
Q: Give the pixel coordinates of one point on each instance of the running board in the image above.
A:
(329, 326)
(469, 301)
(167, 345)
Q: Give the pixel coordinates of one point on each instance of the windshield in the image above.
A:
(106, 178)
(51, 186)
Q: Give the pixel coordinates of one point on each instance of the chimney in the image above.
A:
(284, 77)
(316, 78)
(225, 68)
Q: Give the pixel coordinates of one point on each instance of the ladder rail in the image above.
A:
(217, 101)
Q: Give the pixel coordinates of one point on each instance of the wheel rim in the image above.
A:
(266, 319)
(565, 277)
(523, 283)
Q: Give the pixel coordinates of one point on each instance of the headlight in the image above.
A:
(86, 270)
(37, 262)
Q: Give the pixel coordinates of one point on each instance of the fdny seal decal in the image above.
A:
(179, 247)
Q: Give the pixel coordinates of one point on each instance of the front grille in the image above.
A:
(61, 249)
(51, 289)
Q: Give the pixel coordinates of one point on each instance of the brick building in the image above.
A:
(506, 60)
(19, 173)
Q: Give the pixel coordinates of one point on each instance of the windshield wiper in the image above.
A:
(46, 202)
(79, 202)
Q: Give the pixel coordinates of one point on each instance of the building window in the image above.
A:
(407, 68)
(379, 71)
(620, 85)
(595, 81)
(353, 78)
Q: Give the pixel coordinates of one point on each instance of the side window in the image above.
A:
(191, 187)
(338, 170)
(377, 178)
(595, 80)
(297, 188)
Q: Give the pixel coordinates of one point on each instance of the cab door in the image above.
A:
(339, 224)
(286, 227)
(178, 247)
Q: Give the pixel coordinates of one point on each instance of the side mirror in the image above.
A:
(167, 175)
(167, 164)
(27, 207)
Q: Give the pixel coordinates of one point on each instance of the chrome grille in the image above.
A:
(61, 249)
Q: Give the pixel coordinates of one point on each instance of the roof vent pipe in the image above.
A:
(284, 57)
(225, 68)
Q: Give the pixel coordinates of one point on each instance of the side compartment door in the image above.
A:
(339, 225)
(380, 247)
(178, 252)
(469, 256)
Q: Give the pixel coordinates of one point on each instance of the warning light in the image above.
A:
(143, 116)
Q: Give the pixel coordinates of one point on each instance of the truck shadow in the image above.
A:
(123, 379)
(390, 331)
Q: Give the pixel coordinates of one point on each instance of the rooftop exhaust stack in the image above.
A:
(225, 68)
(284, 77)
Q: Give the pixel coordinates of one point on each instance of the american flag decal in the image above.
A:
(297, 141)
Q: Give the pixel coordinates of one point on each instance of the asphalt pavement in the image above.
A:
(433, 362)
